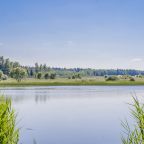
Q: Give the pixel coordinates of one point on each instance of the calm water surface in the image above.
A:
(72, 114)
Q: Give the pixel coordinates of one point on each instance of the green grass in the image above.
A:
(8, 132)
(135, 135)
(70, 82)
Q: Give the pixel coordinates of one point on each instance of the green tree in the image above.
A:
(44, 67)
(1, 75)
(18, 73)
(7, 67)
(76, 76)
(1, 62)
(31, 73)
(36, 67)
(39, 75)
(73, 77)
(52, 76)
(15, 65)
(41, 67)
(46, 76)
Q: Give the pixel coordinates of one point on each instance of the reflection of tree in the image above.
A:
(41, 96)
(16, 98)
(26, 94)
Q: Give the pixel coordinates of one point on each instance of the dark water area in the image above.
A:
(72, 114)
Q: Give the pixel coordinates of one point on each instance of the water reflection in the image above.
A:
(41, 98)
(43, 94)
(72, 114)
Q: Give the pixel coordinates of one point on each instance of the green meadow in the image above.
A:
(70, 82)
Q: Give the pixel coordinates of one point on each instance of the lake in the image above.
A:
(72, 114)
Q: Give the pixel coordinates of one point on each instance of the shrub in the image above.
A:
(8, 132)
(73, 77)
(39, 75)
(1, 74)
(46, 76)
(125, 77)
(139, 76)
(4, 77)
(112, 78)
(76, 76)
(69, 77)
(52, 76)
(132, 79)
(105, 76)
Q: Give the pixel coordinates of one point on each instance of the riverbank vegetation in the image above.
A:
(68, 82)
(8, 132)
(12, 73)
(135, 135)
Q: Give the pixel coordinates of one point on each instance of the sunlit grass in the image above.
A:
(8, 132)
(135, 135)
(65, 81)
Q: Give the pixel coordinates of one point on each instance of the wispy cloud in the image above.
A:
(136, 60)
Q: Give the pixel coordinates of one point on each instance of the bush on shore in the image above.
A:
(112, 78)
(132, 79)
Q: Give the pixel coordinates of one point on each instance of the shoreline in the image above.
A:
(74, 83)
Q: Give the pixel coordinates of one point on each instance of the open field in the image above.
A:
(69, 82)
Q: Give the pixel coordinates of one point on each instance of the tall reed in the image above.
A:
(136, 134)
(9, 134)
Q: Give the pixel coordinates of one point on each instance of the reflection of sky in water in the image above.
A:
(72, 114)
(40, 94)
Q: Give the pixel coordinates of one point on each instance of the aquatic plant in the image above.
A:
(9, 134)
(135, 135)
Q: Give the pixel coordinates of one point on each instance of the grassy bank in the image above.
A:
(69, 82)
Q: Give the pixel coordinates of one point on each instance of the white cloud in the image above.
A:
(136, 60)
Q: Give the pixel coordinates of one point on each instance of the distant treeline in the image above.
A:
(6, 66)
(97, 72)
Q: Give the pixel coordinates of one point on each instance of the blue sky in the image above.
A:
(73, 33)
